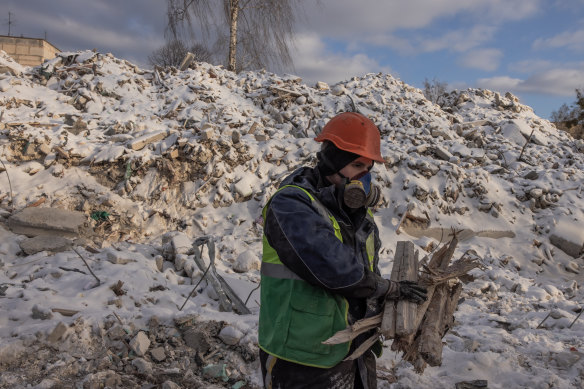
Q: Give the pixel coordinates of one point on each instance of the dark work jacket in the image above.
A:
(306, 244)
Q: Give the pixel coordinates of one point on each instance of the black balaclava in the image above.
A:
(331, 159)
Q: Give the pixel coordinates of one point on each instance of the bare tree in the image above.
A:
(173, 52)
(260, 31)
(434, 89)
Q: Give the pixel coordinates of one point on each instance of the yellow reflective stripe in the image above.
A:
(370, 247)
(269, 254)
(336, 227)
(270, 362)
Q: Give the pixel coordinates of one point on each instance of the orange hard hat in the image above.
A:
(353, 132)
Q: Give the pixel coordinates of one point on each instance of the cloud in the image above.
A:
(102, 24)
(557, 82)
(482, 59)
(573, 40)
(459, 40)
(315, 63)
(370, 17)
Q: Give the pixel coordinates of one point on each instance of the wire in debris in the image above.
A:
(253, 290)
(195, 288)
(86, 264)
(577, 317)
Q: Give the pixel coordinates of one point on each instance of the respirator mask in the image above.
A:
(360, 192)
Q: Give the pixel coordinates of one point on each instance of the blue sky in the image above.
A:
(532, 48)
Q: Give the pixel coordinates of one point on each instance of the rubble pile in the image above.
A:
(185, 354)
(111, 172)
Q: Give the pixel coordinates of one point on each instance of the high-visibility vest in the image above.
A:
(296, 317)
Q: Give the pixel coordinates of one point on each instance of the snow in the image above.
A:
(144, 159)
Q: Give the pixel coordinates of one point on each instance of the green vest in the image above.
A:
(296, 317)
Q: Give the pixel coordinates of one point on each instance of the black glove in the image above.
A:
(407, 290)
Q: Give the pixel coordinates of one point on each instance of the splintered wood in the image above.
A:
(399, 316)
(416, 330)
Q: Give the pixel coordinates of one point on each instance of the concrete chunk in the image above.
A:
(57, 333)
(140, 142)
(52, 243)
(140, 344)
(47, 221)
(568, 236)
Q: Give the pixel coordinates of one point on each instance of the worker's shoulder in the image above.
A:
(293, 192)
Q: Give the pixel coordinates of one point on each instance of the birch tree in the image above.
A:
(248, 34)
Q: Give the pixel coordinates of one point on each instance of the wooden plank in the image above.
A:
(407, 310)
(438, 320)
(398, 318)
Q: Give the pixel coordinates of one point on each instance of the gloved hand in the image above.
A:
(407, 290)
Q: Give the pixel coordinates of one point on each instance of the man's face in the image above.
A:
(353, 170)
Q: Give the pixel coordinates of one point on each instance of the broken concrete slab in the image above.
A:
(52, 243)
(568, 236)
(57, 333)
(140, 142)
(48, 221)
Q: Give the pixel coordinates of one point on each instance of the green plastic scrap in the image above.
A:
(238, 385)
(43, 72)
(100, 215)
(216, 371)
(128, 170)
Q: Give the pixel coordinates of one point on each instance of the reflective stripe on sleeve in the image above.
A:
(278, 271)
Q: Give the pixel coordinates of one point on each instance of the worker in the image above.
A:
(320, 264)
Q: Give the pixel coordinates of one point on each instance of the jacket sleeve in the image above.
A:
(307, 245)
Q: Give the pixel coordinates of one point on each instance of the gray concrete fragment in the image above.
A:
(197, 340)
(230, 335)
(158, 354)
(170, 385)
(442, 153)
(52, 243)
(116, 332)
(235, 137)
(140, 142)
(47, 221)
(571, 248)
(140, 344)
(41, 313)
(174, 243)
(57, 333)
(142, 365)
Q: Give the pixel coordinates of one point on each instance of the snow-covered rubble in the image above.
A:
(156, 159)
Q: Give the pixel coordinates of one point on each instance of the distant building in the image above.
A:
(28, 51)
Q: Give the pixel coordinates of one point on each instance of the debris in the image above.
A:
(87, 265)
(47, 221)
(140, 343)
(65, 312)
(57, 333)
(158, 354)
(216, 371)
(476, 384)
(41, 313)
(187, 60)
(230, 335)
(117, 288)
(399, 318)
(51, 243)
(141, 142)
(246, 261)
(143, 366)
